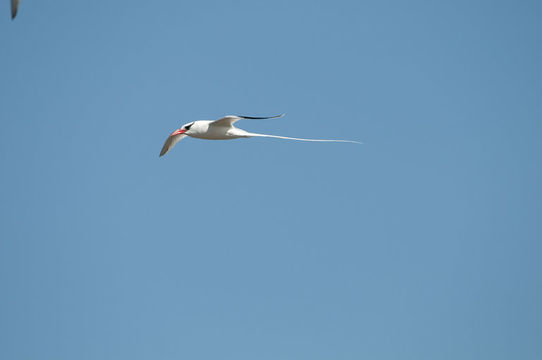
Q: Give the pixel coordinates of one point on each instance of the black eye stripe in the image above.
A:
(187, 127)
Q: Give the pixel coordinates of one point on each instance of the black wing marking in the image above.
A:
(260, 118)
(14, 7)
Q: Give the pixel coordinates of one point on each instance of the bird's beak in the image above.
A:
(178, 132)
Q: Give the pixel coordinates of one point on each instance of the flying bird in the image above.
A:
(14, 7)
(224, 129)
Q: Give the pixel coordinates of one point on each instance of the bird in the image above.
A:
(14, 7)
(224, 129)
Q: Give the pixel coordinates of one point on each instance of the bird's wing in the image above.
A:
(229, 120)
(300, 139)
(170, 142)
(14, 6)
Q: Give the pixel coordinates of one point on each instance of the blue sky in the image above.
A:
(422, 243)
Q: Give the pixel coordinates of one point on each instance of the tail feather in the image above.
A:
(300, 139)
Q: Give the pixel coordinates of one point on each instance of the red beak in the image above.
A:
(178, 132)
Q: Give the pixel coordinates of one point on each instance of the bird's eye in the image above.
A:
(187, 127)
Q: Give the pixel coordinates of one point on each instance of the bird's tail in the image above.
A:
(300, 139)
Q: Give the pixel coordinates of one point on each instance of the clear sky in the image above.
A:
(422, 243)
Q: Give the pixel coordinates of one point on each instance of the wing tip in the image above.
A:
(260, 117)
(14, 8)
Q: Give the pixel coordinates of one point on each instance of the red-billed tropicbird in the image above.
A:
(223, 129)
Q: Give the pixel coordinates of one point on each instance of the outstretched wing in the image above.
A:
(229, 120)
(170, 142)
(14, 6)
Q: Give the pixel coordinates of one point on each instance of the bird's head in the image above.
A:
(183, 129)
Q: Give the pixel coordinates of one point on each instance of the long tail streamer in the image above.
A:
(300, 139)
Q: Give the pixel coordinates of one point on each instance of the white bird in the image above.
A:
(14, 7)
(223, 129)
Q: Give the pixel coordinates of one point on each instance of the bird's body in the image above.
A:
(205, 129)
(224, 129)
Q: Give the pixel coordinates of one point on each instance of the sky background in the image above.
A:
(422, 243)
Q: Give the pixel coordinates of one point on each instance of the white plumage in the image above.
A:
(224, 129)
